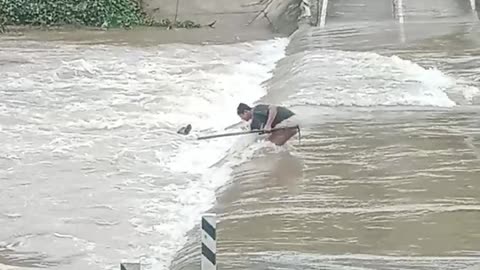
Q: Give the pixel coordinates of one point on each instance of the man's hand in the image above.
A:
(267, 128)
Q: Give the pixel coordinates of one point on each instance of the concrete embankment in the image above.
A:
(233, 20)
(222, 21)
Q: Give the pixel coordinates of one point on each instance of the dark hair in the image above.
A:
(242, 107)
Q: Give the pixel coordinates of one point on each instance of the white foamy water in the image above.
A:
(91, 169)
(339, 78)
(364, 79)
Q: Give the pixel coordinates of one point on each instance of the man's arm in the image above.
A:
(272, 112)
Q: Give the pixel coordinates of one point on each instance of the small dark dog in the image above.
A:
(185, 130)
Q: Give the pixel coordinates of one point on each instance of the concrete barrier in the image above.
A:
(281, 16)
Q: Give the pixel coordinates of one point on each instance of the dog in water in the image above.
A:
(185, 130)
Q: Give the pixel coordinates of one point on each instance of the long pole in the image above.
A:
(244, 132)
(323, 17)
(400, 11)
(176, 13)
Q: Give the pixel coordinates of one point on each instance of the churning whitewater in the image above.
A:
(92, 170)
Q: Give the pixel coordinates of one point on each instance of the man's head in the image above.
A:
(244, 111)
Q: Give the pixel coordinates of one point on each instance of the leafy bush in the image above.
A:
(96, 13)
(2, 24)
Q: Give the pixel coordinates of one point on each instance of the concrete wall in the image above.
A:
(282, 14)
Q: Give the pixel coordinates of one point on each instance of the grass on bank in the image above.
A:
(89, 13)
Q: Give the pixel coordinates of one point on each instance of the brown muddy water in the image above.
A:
(385, 175)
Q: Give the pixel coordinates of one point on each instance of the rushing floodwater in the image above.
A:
(385, 175)
(92, 171)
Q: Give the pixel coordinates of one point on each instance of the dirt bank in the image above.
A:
(233, 19)
(230, 20)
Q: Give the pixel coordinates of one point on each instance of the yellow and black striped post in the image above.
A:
(209, 242)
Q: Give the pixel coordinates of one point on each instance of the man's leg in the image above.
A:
(280, 137)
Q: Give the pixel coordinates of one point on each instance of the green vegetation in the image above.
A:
(2, 24)
(92, 13)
